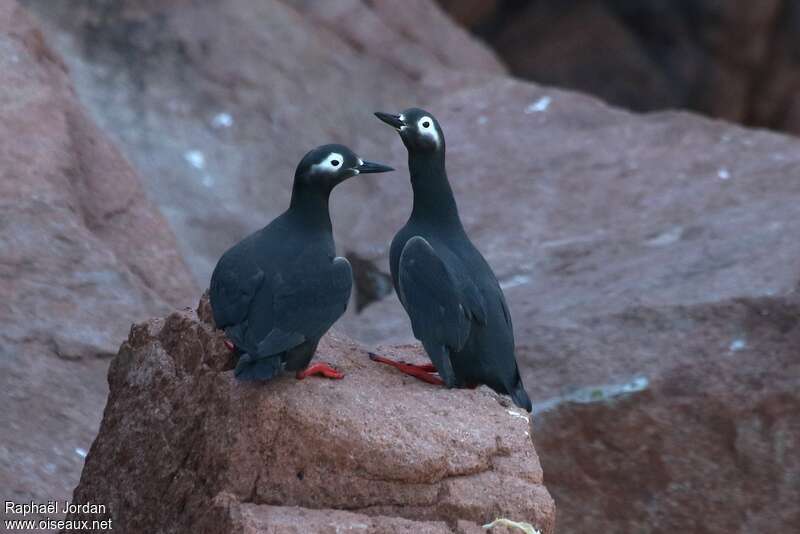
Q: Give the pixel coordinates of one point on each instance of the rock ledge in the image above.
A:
(183, 447)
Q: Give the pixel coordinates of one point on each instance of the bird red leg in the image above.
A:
(417, 373)
(422, 372)
(228, 343)
(321, 369)
(427, 367)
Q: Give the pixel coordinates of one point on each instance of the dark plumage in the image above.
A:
(276, 292)
(450, 293)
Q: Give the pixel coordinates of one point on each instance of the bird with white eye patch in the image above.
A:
(456, 306)
(426, 128)
(276, 292)
(418, 131)
(330, 164)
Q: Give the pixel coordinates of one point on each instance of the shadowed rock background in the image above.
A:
(650, 260)
(733, 59)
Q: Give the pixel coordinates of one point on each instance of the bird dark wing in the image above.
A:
(506, 313)
(232, 291)
(442, 303)
(267, 318)
(307, 302)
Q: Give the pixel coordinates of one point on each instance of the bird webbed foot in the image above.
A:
(320, 369)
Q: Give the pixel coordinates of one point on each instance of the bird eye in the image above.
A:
(426, 124)
(335, 162)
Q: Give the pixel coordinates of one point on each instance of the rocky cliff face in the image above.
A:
(185, 447)
(651, 266)
(685, 420)
(82, 253)
(216, 102)
(650, 261)
(586, 211)
(735, 60)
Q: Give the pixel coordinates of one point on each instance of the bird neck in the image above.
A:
(433, 196)
(310, 205)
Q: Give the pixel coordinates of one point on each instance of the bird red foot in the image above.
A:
(425, 372)
(228, 343)
(321, 369)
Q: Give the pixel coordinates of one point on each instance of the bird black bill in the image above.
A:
(392, 120)
(371, 167)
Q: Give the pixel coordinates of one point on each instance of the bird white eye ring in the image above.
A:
(330, 164)
(425, 123)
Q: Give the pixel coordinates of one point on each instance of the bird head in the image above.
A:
(418, 129)
(330, 165)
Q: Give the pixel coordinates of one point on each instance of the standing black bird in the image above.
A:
(450, 293)
(276, 292)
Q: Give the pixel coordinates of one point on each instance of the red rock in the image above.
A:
(285, 77)
(699, 441)
(586, 47)
(471, 13)
(82, 254)
(82, 244)
(634, 246)
(594, 219)
(733, 60)
(413, 36)
(584, 210)
(183, 446)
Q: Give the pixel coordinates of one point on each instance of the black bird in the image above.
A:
(450, 293)
(276, 292)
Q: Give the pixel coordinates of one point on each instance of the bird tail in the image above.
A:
(520, 396)
(249, 368)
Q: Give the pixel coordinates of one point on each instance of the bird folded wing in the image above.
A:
(441, 305)
(506, 313)
(232, 295)
(308, 303)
